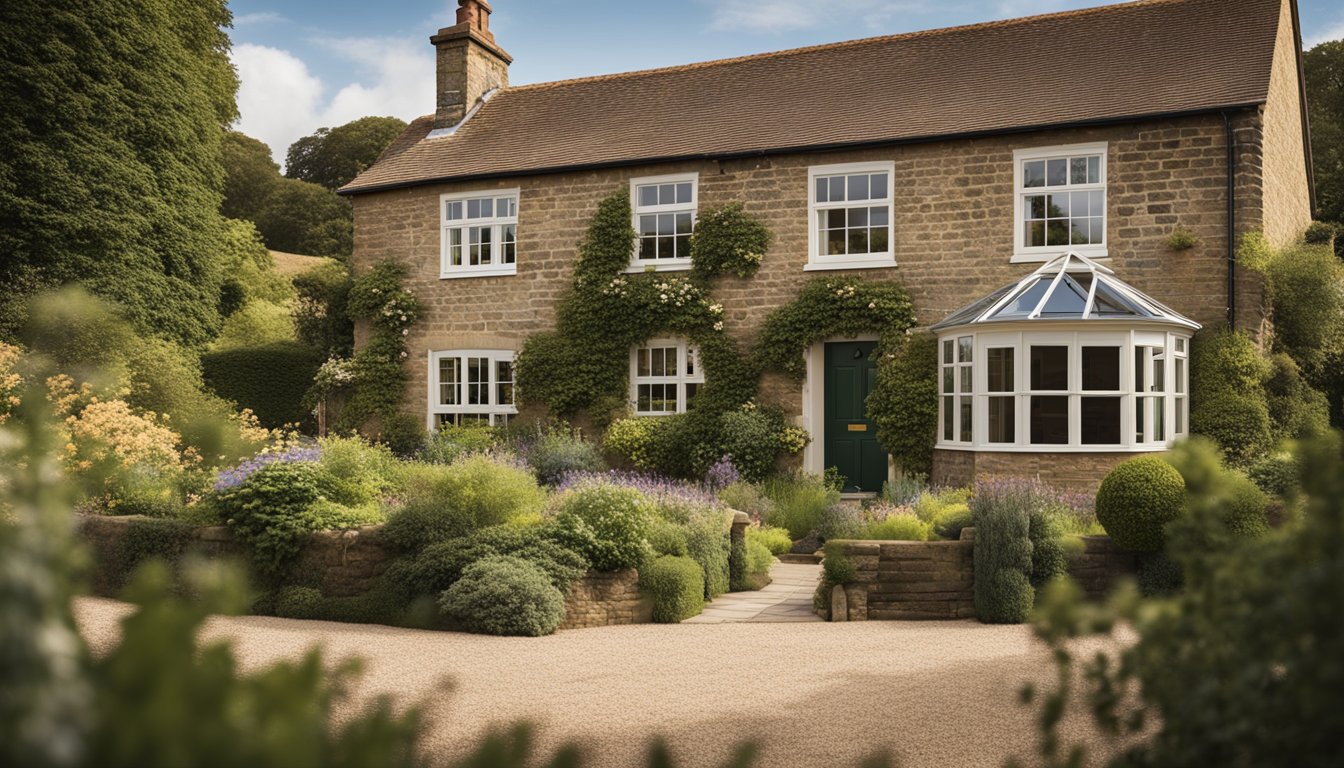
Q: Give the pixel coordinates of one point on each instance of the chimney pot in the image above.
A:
(470, 63)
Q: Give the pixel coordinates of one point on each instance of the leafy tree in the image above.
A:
(111, 136)
(249, 176)
(300, 217)
(333, 156)
(1323, 67)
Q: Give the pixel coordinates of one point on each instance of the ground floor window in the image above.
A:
(1071, 390)
(471, 386)
(665, 375)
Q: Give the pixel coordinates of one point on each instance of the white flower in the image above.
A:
(405, 332)
(718, 326)
(872, 305)
(403, 354)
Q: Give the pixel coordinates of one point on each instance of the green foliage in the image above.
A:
(558, 452)
(1159, 575)
(356, 472)
(451, 442)
(1137, 500)
(304, 218)
(1002, 513)
(1264, 685)
(1321, 233)
(1182, 239)
(895, 527)
(271, 380)
(145, 540)
(250, 270)
(503, 595)
(831, 306)
(904, 401)
(1323, 70)
(754, 437)
(444, 502)
(606, 523)
(1306, 284)
(404, 435)
(748, 498)
(269, 512)
(799, 501)
(677, 586)
(1227, 396)
(759, 558)
(1295, 408)
(1049, 560)
(727, 241)
(81, 335)
(440, 565)
(707, 544)
(379, 372)
(1276, 474)
(111, 137)
(775, 540)
(332, 157)
(320, 317)
(836, 567)
(249, 175)
(257, 323)
(1218, 500)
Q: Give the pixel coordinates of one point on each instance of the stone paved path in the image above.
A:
(788, 598)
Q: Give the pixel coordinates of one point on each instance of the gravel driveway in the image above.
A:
(813, 694)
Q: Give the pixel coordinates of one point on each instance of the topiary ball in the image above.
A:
(503, 595)
(1137, 500)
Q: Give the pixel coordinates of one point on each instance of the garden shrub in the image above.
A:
(1306, 287)
(904, 401)
(557, 453)
(270, 380)
(747, 498)
(707, 544)
(449, 443)
(143, 540)
(1295, 408)
(1003, 550)
(948, 521)
(1159, 575)
(1224, 506)
(1137, 500)
(836, 567)
(442, 502)
(256, 324)
(378, 372)
(906, 489)
(759, 558)
(677, 585)
(1276, 474)
(895, 526)
(932, 503)
(296, 602)
(320, 317)
(379, 605)
(440, 565)
(667, 538)
(328, 515)
(606, 523)
(754, 437)
(269, 511)
(140, 490)
(841, 521)
(354, 471)
(503, 595)
(403, 434)
(1227, 395)
(799, 501)
(1048, 556)
(775, 540)
(631, 441)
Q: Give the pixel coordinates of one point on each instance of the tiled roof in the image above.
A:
(1154, 57)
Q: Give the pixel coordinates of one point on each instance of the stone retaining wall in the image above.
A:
(346, 563)
(936, 579)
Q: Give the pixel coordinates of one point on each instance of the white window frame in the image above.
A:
(816, 261)
(1127, 340)
(494, 412)
(497, 223)
(636, 210)
(1028, 254)
(685, 351)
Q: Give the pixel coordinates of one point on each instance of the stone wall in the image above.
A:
(607, 599)
(1079, 471)
(346, 563)
(936, 579)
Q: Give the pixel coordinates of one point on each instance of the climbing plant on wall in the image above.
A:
(377, 372)
(904, 402)
(827, 307)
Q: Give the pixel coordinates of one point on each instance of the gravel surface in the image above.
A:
(934, 693)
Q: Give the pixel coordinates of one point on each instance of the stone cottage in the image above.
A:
(1022, 179)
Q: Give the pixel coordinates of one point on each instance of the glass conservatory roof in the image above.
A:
(1071, 287)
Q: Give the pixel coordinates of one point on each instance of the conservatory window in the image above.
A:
(1060, 202)
(957, 390)
(471, 387)
(480, 234)
(665, 376)
(851, 211)
(664, 216)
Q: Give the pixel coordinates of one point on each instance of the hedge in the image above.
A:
(270, 379)
(677, 585)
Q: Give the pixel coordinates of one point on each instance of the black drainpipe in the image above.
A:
(1231, 226)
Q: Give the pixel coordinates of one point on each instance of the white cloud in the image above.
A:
(281, 100)
(770, 16)
(262, 17)
(1314, 37)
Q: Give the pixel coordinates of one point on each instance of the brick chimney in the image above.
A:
(469, 63)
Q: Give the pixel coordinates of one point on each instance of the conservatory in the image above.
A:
(1070, 358)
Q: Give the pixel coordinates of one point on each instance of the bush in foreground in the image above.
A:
(677, 586)
(504, 595)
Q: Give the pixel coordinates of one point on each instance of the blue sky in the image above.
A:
(305, 64)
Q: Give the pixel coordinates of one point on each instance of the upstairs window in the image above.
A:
(665, 376)
(480, 234)
(471, 386)
(851, 211)
(664, 210)
(1060, 202)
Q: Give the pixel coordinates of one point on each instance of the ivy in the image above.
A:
(727, 241)
(377, 372)
(904, 402)
(828, 307)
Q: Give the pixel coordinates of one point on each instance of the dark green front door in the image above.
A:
(851, 438)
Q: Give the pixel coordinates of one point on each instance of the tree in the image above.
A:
(333, 156)
(250, 175)
(111, 136)
(1323, 67)
(300, 217)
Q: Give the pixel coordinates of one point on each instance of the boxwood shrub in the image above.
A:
(677, 585)
(1137, 499)
(503, 595)
(440, 565)
(270, 379)
(606, 523)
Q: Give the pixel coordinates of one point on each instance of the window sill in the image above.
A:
(827, 266)
(1151, 448)
(1040, 257)
(678, 265)
(493, 272)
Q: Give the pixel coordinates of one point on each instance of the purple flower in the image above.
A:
(722, 474)
(232, 478)
(657, 488)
